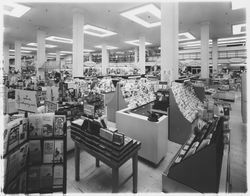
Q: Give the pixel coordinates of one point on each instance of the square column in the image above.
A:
(6, 58)
(136, 55)
(215, 55)
(90, 57)
(58, 58)
(41, 53)
(205, 50)
(169, 41)
(142, 55)
(105, 59)
(78, 45)
(18, 56)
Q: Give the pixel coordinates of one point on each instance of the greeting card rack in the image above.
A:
(38, 163)
(199, 171)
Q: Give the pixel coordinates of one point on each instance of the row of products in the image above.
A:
(186, 100)
(138, 92)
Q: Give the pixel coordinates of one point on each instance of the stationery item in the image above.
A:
(35, 125)
(106, 134)
(23, 154)
(59, 125)
(46, 177)
(48, 120)
(58, 152)
(58, 176)
(35, 154)
(13, 134)
(23, 130)
(118, 138)
(48, 150)
(22, 182)
(34, 179)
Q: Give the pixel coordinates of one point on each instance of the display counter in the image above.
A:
(153, 135)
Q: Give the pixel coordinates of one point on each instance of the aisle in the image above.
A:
(238, 147)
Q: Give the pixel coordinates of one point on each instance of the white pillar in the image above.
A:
(78, 44)
(18, 56)
(205, 50)
(90, 57)
(142, 55)
(6, 58)
(169, 41)
(215, 55)
(58, 58)
(41, 52)
(136, 55)
(105, 59)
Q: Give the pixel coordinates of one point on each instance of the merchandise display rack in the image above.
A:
(20, 182)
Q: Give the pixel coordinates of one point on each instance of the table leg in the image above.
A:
(77, 162)
(97, 162)
(115, 180)
(135, 172)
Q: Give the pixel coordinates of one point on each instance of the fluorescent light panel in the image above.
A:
(137, 42)
(46, 45)
(97, 31)
(238, 4)
(14, 9)
(28, 48)
(108, 47)
(88, 50)
(232, 38)
(188, 36)
(237, 29)
(151, 8)
(59, 39)
(22, 51)
(66, 52)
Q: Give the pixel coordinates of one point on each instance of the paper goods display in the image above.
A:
(26, 100)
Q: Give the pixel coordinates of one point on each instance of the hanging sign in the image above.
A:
(26, 100)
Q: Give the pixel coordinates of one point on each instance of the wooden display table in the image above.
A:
(115, 165)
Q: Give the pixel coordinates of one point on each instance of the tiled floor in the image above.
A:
(97, 180)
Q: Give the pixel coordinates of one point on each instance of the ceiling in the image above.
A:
(57, 18)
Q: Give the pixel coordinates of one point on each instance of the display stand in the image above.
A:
(29, 168)
(200, 92)
(117, 103)
(244, 97)
(179, 127)
(201, 171)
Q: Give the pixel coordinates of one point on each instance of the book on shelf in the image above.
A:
(35, 153)
(48, 150)
(23, 154)
(58, 152)
(34, 179)
(48, 120)
(58, 176)
(59, 124)
(35, 125)
(23, 130)
(22, 182)
(46, 177)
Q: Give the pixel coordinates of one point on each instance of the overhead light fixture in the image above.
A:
(136, 15)
(186, 36)
(88, 50)
(53, 53)
(231, 41)
(232, 38)
(239, 29)
(13, 9)
(22, 51)
(108, 47)
(46, 45)
(97, 31)
(66, 52)
(28, 48)
(59, 39)
(136, 42)
(238, 4)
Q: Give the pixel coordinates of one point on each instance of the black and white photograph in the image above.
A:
(125, 97)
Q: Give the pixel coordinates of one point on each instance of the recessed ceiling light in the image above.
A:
(137, 42)
(134, 15)
(97, 31)
(238, 5)
(66, 52)
(185, 36)
(46, 45)
(239, 29)
(88, 50)
(13, 9)
(108, 47)
(59, 39)
(231, 38)
(28, 48)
